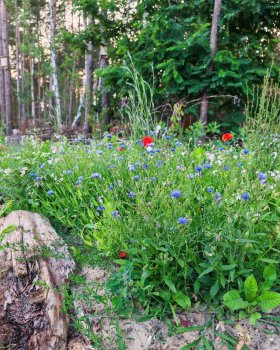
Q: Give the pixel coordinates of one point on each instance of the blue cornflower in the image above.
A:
(145, 166)
(111, 187)
(136, 177)
(159, 164)
(38, 178)
(78, 182)
(172, 149)
(131, 168)
(176, 194)
(137, 164)
(131, 194)
(109, 136)
(218, 197)
(191, 176)
(50, 192)
(246, 151)
(158, 150)
(262, 176)
(182, 221)
(199, 168)
(226, 167)
(42, 166)
(115, 213)
(69, 172)
(99, 151)
(221, 148)
(239, 165)
(153, 179)
(32, 175)
(100, 208)
(95, 175)
(80, 178)
(209, 189)
(109, 145)
(121, 157)
(178, 143)
(208, 166)
(111, 166)
(245, 196)
(167, 137)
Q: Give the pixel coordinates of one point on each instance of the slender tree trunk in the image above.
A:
(2, 79)
(22, 105)
(33, 112)
(54, 66)
(18, 65)
(86, 97)
(7, 71)
(104, 62)
(88, 80)
(213, 47)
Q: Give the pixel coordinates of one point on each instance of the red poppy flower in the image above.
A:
(147, 140)
(120, 149)
(227, 137)
(123, 255)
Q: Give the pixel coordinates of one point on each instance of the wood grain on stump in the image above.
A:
(33, 264)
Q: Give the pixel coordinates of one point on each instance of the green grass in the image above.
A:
(226, 239)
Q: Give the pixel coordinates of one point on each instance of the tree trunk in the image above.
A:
(2, 79)
(33, 112)
(7, 70)
(104, 62)
(88, 79)
(54, 66)
(86, 97)
(18, 65)
(213, 47)
(34, 264)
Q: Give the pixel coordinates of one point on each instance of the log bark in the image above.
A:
(33, 265)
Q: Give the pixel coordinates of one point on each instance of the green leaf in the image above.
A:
(214, 289)
(233, 300)
(170, 284)
(228, 267)
(269, 273)
(191, 345)
(210, 269)
(242, 315)
(183, 300)
(269, 300)
(250, 288)
(254, 317)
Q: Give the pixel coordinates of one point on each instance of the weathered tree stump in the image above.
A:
(33, 264)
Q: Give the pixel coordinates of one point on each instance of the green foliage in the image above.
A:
(174, 38)
(255, 296)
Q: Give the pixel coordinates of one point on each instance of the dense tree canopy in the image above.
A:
(168, 41)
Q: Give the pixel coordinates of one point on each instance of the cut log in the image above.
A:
(34, 263)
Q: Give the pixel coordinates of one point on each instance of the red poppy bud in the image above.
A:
(120, 149)
(227, 137)
(123, 255)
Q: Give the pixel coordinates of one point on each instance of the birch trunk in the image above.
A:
(54, 66)
(213, 47)
(7, 71)
(85, 100)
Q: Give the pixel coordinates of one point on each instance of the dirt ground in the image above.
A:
(154, 334)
